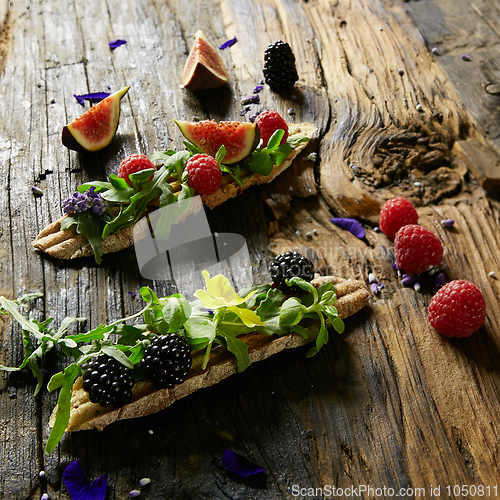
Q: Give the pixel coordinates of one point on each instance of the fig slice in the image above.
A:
(239, 138)
(95, 129)
(204, 68)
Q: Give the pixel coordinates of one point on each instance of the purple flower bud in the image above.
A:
(374, 288)
(448, 222)
(251, 99)
(439, 281)
(466, 57)
(257, 89)
(409, 279)
(76, 203)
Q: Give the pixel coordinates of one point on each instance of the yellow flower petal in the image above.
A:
(249, 318)
(207, 300)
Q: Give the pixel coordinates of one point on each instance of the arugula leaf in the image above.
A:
(162, 155)
(89, 224)
(261, 163)
(240, 350)
(64, 380)
(117, 354)
(175, 312)
(291, 312)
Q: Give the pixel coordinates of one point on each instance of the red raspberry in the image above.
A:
(268, 122)
(457, 309)
(204, 175)
(396, 213)
(132, 164)
(417, 249)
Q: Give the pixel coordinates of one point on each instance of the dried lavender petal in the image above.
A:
(144, 481)
(409, 279)
(92, 97)
(352, 225)
(227, 44)
(240, 465)
(134, 493)
(448, 222)
(116, 43)
(466, 57)
(251, 99)
(372, 278)
(36, 191)
(257, 89)
(374, 288)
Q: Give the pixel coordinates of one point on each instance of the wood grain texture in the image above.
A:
(389, 403)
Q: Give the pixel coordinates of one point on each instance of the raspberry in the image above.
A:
(204, 175)
(268, 122)
(288, 265)
(280, 71)
(457, 309)
(417, 249)
(132, 164)
(396, 213)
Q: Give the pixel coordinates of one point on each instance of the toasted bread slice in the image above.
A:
(67, 244)
(147, 399)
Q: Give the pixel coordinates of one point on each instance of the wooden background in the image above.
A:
(389, 403)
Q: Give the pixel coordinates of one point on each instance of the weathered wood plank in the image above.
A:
(388, 403)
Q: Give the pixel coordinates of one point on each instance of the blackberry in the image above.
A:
(288, 265)
(107, 381)
(167, 360)
(279, 66)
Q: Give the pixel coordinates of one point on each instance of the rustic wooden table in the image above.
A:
(390, 403)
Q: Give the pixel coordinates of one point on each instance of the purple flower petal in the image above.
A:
(78, 486)
(448, 222)
(352, 225)
(227, 44)
(92, 97)
(257, 89)
(240, 465)
(251, 99)
(374, 288)
(409, 279)
(116, 43)
(466, 57)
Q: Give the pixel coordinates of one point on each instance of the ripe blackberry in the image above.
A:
(279, 66)
(107, 381)
(288, 265)
(167, 360)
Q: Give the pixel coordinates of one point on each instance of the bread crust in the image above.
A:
(67, 244)
(147, 399)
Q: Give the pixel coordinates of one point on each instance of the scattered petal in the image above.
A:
(380, 285)
(491, 274)
(448, 222)
(290, 111)
(436, 51)
(251, 99)
(144, 481)
(116, 43)
(352, 225)
(376, 229)
(396, 267)
(132, 294)
(372, 278)
(419, 107)
(416, 287)
(92, 97)
(134, 493)
(240, 465)
(227, 44)
(78, 486)
(45, 496)
(401, 71)
(245, 110)
(439, 281)
(374, 288)
(466, 57)
(36, 191)
(409, 279)
(41, 473)
(257, 89)
(294, 97)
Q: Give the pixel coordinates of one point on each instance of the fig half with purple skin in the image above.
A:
(95, 129)
(204, 68)
(239, 138)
